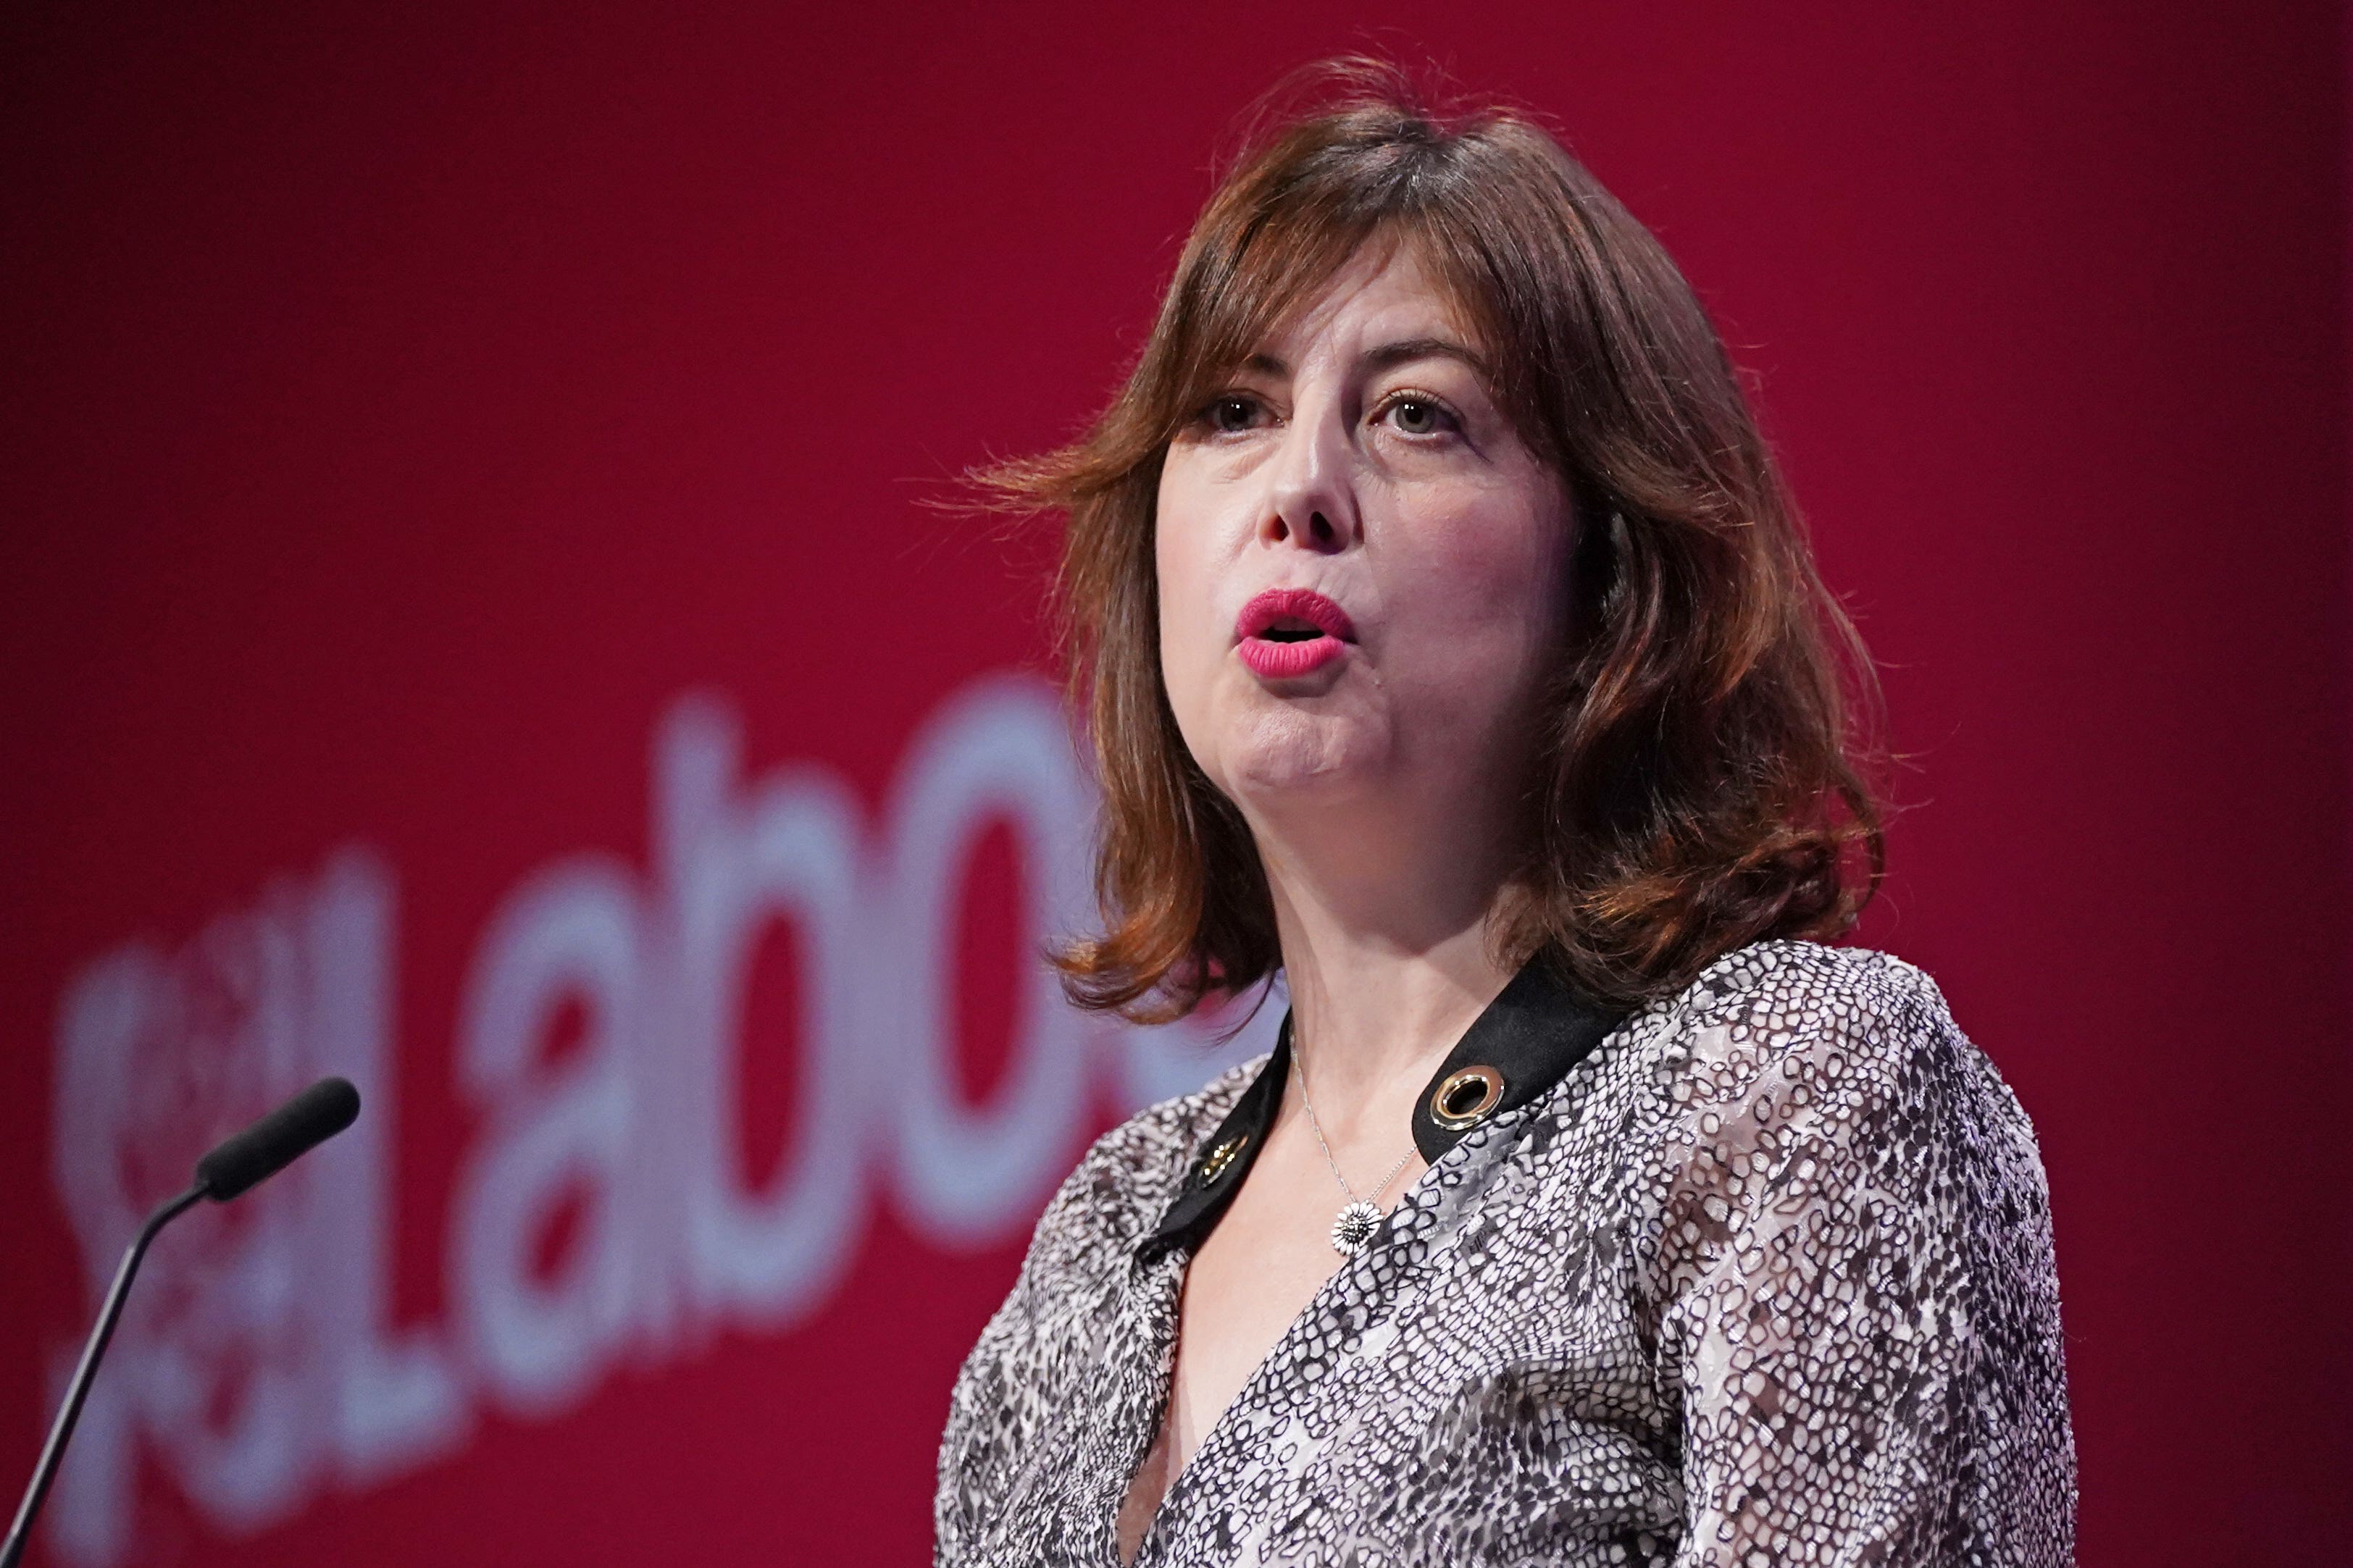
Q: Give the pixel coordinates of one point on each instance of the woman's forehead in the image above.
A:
(1381, 295)
(1385, 297)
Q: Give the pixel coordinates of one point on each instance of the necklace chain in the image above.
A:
(1316, 1127)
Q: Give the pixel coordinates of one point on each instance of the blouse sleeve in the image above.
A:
(1037, 1349)
(990, 1415)
(1861, 1319)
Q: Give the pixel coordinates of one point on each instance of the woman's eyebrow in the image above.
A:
(1388, 357)
(1406, 351)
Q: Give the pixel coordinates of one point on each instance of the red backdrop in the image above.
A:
(471, 621)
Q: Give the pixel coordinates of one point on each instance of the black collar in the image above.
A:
(1536, 1029)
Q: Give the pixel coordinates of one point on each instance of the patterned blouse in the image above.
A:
(1760, 1275)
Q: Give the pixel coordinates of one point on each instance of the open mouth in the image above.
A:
(1291, 629)
(1289, 632)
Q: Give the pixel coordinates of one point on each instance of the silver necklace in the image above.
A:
(1361, 1216)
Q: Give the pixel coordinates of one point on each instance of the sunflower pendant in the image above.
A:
(1354, 1227)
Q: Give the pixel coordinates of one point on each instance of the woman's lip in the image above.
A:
(1278, 660)
(1293, 603)
(1281, 660)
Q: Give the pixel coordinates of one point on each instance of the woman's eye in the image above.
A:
(1420, 416)
(1232, 412)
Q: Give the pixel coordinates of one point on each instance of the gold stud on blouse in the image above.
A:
(1466, 1098)
(1214, 1164)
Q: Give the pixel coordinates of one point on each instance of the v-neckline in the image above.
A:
(1172, 1304)
(1527, 1039)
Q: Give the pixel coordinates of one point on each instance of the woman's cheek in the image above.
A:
(1483, 606)
(1186, 654)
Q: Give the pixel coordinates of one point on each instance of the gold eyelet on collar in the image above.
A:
(1216, 1163)
(1467, 1097)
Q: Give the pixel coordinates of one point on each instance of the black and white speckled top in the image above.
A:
(1760, 1275)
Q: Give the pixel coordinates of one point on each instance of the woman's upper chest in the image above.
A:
(1487, 1339)
(1263, 1266)
(1425, 1380)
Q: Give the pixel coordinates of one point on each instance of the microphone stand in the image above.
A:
(117, 1294)
(233, 1166)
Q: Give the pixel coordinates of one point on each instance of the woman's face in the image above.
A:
(1360, 563)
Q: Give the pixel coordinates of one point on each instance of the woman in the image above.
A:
(1451, 647)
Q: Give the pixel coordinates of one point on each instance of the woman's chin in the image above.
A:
(1292, 755)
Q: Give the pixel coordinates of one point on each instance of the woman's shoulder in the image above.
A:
(1788, 985)
(1044, 1344)
(1872, 1013)
(1789, 1066)
(1798, 1043)
(1111, 1201)
(1128, 1176)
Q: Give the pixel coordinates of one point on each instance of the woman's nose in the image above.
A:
(1312, 503)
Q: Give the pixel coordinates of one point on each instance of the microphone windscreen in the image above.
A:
(275, 1142)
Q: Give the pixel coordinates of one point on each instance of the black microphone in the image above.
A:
(279, 1139)
(233, 1167)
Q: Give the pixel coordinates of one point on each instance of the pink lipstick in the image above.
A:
(1286, 632)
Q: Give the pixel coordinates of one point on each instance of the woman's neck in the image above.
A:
(1385, 955)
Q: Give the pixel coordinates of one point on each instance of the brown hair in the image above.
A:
(1698, 787)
